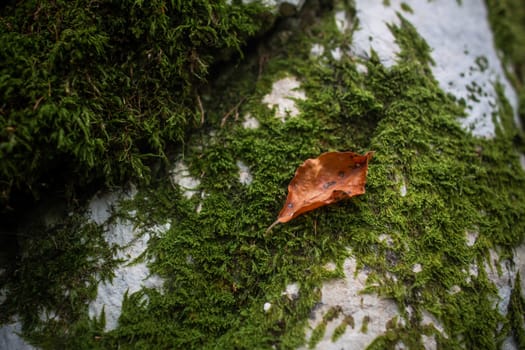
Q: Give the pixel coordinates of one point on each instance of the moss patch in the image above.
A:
(98, 91)
(219, 266)
(50, 285)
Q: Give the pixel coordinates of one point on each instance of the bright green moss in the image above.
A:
(219, 266)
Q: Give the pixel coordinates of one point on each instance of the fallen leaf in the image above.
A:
(331, 177)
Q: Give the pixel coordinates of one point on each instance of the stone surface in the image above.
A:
(128, 277)
(282, 97)
(9, 338)
(462, 49)
(245, 177)
(181, 177)
(292, 291)
(250, 122)
(346, 294)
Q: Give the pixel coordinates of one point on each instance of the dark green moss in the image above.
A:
(406, 7)
(56, 277)
(99, 91)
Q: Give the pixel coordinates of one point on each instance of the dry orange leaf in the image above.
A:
(327, 179)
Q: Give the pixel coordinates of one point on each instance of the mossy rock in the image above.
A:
(439, 202)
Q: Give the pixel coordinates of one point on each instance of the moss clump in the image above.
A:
(220, 268)
(516, 312)
(100, 90)
(341, 328)
(406, 7)
(454, 185)
(317, 334)
(50, 285)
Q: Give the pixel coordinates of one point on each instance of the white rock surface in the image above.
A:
(472, 237)
(245, 176)
(462, 48)
(341, 21)
(429, 320)
(502, 279)
(128, 277)
(180, 175)
(403, 187)
(336, 53)
(346, 294)
(519, 261)
(283, 95)
(267, 306)
(417, 268)
(291, 291)
(9, 338)
(250, 122)
(317, 50)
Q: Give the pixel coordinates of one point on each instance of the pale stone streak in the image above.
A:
(460, 38)
(283, 95)
(130, 245)
(346, 294)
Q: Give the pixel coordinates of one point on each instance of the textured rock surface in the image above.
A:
(366, 310)
(282, 97)
(462, 49)
(9, 338)
(130, 276)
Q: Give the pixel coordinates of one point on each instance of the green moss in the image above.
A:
(332, 313)
(406, 7)
(55, 278)
(516, 312)
(317, 335)
(219, 266)
(99, 91)
(364, 324)
(338, 332)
